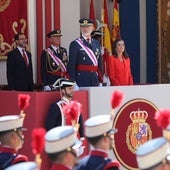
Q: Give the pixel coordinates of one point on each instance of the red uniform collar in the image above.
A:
(98, 153)
(7, 149)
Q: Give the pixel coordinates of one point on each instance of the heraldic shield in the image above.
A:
(136, 125)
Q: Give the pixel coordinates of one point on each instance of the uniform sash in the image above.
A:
(60, 104)
(56, 59)
(89, 52)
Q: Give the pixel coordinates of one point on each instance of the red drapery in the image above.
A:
(45, 24)
(13, 18)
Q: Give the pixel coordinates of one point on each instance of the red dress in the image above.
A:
(119, 72)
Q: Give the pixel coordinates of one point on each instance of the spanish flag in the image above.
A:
(115, 21)
(107, 39)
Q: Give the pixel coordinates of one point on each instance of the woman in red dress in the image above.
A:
(118, 65)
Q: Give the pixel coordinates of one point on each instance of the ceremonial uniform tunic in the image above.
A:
(78, 58)
(97, 160)
(56, 116)
(50, 71)
(8, 157)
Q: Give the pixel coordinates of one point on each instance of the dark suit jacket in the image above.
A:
(19, 76)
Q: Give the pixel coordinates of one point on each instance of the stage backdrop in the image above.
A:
(13, 18)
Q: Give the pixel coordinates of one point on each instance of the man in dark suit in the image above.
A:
(53, 60)
(85, 62)
(19, 66)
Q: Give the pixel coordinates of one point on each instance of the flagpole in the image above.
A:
(102, 28)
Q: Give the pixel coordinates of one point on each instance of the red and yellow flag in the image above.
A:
(106, 39)
(115, 21)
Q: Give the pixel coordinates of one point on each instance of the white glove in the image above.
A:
(76, 87)
(47, 88)
(106, 80)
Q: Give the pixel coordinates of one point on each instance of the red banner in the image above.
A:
(13, 18)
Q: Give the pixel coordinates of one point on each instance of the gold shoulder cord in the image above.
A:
(50, 64)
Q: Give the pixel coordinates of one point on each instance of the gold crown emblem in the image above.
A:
(85, 22)
(138, 116)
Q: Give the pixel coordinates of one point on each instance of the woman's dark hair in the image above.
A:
(114, 44)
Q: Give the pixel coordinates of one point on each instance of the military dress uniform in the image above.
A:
(95, 127)
(55, 116)
(85, 62)
(8, 155)
(59, 140)
(155, 153)
(53, 62)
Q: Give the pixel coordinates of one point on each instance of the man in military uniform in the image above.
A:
(11, 140)
(55, 116)
(100, 134)
(53, 60)
(85, 62)
(155, 154)
(63, 148)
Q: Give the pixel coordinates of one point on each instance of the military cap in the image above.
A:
(86, 22)
(11, 122)
(99, 125)
(23, 166)
(63, 82)
(152, 153)
(61, 138)
(56, 32)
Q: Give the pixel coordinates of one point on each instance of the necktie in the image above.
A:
(88, 42)
(25, 57)
(58, 50)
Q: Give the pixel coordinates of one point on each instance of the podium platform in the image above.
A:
(96, 101)
(36, 114)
